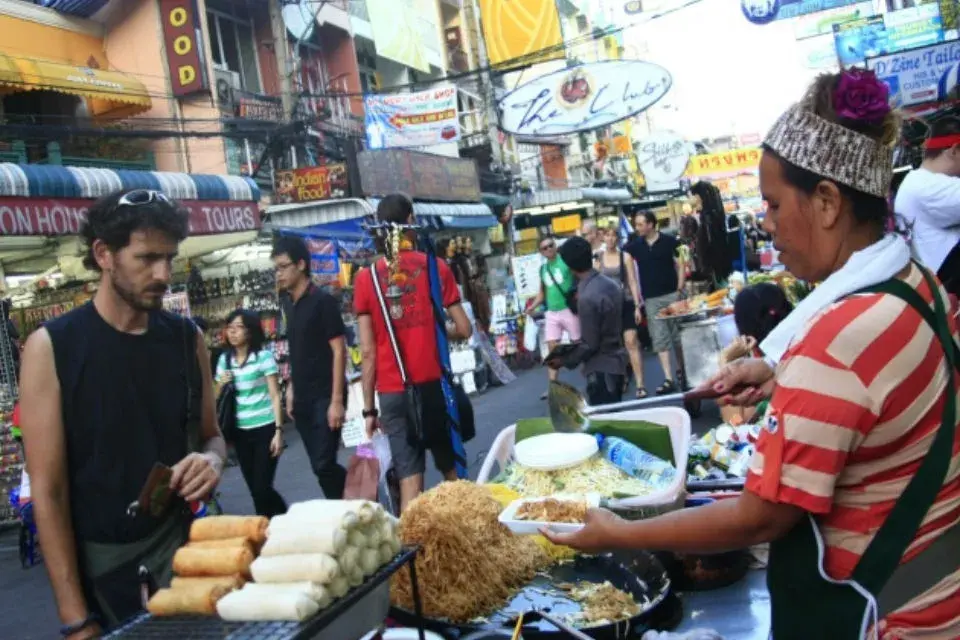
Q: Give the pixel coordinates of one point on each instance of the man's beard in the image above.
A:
(138, 303)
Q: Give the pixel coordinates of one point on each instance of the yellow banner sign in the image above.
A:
(518, 28)
(724, 162)
(566, 224)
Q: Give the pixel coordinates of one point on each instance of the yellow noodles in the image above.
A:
(469, 564)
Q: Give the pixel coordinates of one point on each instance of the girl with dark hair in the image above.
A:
(757, 311)
(258, 438)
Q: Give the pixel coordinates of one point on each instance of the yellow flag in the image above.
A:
(516, 28)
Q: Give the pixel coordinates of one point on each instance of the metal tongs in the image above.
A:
(532, 616)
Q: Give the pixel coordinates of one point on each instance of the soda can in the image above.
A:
(198, 508)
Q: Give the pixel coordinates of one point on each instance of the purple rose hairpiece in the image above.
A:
(861, 96)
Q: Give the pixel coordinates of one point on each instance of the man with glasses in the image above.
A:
(316, 395)
(117, 402)
(558, 289)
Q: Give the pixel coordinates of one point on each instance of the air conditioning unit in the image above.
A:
(227, 82)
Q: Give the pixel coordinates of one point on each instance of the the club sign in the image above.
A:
(582, 98)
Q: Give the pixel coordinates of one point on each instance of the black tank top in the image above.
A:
(125, 407)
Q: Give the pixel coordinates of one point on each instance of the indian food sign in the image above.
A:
(311, 183)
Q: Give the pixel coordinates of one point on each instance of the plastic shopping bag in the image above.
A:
(530, 335)
(381, 448)
(363, 475)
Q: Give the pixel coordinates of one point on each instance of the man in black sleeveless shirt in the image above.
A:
(108, 391)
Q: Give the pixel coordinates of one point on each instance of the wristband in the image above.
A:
(370, 413)
(70, 629)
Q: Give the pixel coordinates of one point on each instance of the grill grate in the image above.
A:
(146, 627)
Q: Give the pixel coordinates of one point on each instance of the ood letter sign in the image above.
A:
(182, 42)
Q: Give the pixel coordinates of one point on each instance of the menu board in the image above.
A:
(422, 176)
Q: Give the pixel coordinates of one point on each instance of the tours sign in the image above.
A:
(583, 98)
(181, 39)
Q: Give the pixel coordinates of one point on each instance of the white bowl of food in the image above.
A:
(560, 513)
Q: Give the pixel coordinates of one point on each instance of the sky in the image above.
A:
(729, 75)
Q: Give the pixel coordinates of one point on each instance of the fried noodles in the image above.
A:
(469, 564)
(553, 510)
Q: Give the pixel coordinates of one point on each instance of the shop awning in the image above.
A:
(323, 213)
(9, 73)
(111, 94)
(47, 181)
(555, 200)
(81, 8)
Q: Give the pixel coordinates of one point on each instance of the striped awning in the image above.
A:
(325, 212)
(48, 181)
(79, 8)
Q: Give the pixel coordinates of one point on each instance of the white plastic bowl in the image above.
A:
(553, 451)
(508, 517)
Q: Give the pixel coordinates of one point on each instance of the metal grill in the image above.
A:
(147, 627)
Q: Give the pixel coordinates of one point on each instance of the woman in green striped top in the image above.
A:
(258, 439)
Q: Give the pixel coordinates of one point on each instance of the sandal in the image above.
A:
(641, 393)
(667, 387)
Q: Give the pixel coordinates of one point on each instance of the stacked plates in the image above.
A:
(554, 451)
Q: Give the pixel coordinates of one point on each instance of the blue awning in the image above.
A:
(80, 8)
(50, 181)
(323, 213)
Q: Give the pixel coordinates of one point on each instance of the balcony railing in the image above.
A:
(53, 154)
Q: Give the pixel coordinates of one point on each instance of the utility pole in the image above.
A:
(284, 59)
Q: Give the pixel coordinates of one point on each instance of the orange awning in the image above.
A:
(9, 73)
(110, 94)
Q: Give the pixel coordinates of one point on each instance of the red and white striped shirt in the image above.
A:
(858, 400)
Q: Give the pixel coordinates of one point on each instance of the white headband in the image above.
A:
(806, 140)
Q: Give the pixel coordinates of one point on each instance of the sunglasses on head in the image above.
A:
(141, 197)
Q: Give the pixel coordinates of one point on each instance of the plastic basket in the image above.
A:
(668, 499)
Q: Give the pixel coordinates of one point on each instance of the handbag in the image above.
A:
(227, 406)
(412, 397)
(570, 297)
(464, 424)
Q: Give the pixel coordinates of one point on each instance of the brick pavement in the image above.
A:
(27, 611)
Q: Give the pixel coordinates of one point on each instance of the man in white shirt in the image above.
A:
(929, 202)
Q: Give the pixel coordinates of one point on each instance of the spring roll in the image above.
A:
(285, 542)
(374, 535)
(365, 510)
(357, 538)
(224, 527)
(369, 561)
(386, 553)
(193, 563)
(310, 521)
(229, 582)
(355, 579)
(314, 591)
(314, 567)
(349, 559)
(338, 587)
(251, 606)
(225, 543)
(193, 601)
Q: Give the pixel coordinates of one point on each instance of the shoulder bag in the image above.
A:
(411, 393)
(569, 296)
(227, 405)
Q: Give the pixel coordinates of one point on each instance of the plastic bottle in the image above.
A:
(198, 508)
(637, 462)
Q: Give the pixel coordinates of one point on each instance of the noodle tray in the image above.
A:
(640, 575)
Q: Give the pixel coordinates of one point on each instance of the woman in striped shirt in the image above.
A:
(258, 439)
(856, 479)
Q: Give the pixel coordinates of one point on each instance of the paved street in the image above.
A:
(26, 605)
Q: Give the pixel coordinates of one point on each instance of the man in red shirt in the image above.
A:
(403, 280)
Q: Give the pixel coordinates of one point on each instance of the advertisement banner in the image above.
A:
(766, 11)
(819, 52)
(879, 35)
(913, 76)
(519, 28)
(818, 24)
(63, 217)
(417, 119)
(311, 183)
(663, 157)
(323, 256)
(399, 32)
(736, 161)
(181, 29)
